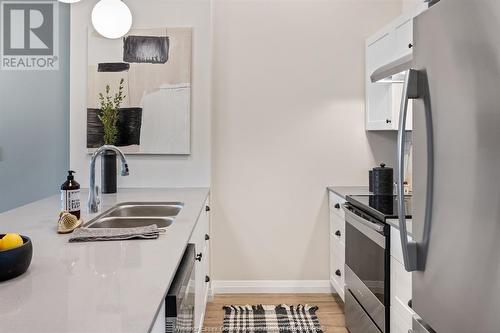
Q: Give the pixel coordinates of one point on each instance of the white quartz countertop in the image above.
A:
(111, 286)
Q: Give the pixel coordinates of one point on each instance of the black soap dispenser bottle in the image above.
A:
(70, 195)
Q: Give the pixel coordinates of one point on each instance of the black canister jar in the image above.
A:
(383, 180)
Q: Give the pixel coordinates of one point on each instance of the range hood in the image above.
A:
(395, 67)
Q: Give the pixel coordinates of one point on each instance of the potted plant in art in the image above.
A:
(109, 114)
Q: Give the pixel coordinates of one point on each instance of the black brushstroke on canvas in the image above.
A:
(129, 127)
(146, 49)
(95, 129)
(113, 67)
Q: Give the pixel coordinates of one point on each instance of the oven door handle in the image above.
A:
(369, 224)
(371, 230)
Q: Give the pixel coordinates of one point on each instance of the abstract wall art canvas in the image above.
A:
(155, 65)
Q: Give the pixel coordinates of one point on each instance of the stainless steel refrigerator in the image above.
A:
(454, 86)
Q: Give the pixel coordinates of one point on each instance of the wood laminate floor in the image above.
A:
(330, 312)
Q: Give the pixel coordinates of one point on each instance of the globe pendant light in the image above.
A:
(111, 18)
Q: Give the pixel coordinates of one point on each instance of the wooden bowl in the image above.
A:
(16, 261)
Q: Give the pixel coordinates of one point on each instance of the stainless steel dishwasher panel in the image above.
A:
(179, 302)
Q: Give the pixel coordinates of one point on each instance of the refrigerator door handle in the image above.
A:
(410, 91)
(416, 86)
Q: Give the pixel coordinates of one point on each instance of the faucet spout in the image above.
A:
(93, 200)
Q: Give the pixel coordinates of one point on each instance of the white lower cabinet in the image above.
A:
(337, 243)
(201, 239)
(401, 294)
(398, 323)
(337, 279)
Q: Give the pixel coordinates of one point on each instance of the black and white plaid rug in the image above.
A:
(271, 318)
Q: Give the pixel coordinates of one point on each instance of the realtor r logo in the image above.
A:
(29, 35)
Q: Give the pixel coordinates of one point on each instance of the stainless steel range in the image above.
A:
(367, 270)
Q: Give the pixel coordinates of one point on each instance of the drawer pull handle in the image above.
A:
(199, 256)
(337, 233)
(410, 304)
(207, 208)
(207, 237)
(337, 205)
(337, 272)
(207, 278)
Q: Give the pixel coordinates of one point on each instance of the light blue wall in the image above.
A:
(34, 128)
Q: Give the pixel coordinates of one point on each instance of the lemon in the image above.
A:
(10, 241)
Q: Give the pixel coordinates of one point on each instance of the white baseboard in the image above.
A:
(270, 286)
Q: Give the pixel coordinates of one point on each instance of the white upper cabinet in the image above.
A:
(383, 99)
(403, 36)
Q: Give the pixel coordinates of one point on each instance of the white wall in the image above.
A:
(288, 120)
(159, 170)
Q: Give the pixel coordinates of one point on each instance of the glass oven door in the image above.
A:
(367, 264)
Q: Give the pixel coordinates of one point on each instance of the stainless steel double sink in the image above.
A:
(137, 214)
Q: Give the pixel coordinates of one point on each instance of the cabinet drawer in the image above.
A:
(337, 228)
(396, 247)
(401, 290)
(337, 272)
(337, 248)
(335, 203)
(337, 264)
(338, 282)
(338, 287)
(201, 232)
(399, 324)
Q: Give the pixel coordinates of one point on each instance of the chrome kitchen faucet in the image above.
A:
(94, 200)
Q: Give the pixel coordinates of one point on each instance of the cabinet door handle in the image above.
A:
(337, 233)
(410, 304)
(337, 205)
(199, 256)
(410, 45)
(207, 278)
(337, 272)
(207, 208)
(207, 237)
(388, 121)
